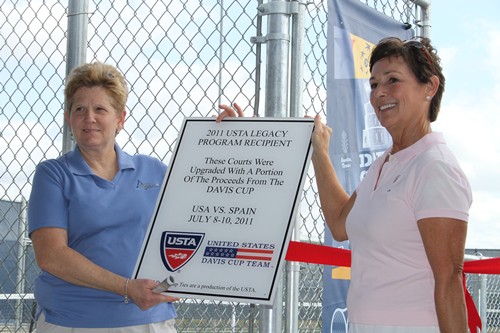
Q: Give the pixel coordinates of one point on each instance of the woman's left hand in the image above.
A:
(321, 136)
(142, 294)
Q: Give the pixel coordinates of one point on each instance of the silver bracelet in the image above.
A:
(126, 299)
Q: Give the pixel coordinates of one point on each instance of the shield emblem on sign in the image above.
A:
(177, 248)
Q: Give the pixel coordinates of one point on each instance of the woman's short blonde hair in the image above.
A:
(97, 74)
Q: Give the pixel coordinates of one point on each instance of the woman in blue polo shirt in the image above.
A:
(88, 212)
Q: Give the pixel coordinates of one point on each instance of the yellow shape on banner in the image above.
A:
(361, 50)
(341, 273)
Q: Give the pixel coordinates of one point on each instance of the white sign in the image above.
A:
(227, 207)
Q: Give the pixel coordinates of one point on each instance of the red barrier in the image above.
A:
(327, 255)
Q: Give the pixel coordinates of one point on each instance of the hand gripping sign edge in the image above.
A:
(177, 248)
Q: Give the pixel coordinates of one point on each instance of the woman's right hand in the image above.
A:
(229, 111)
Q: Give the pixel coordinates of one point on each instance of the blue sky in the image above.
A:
(467, 37)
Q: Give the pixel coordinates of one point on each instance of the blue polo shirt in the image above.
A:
(106, 222)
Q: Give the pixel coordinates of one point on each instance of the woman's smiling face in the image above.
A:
(93, 119)
(397, 96)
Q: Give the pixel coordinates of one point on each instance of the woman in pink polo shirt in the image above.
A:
(407, 220)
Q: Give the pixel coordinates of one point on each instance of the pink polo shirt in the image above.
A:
(391, 278)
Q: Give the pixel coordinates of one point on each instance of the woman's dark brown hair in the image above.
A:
(422, 59)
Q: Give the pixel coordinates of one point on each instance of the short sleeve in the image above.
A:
(47, 206)
(442, 190)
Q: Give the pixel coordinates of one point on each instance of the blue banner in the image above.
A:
(354, 29)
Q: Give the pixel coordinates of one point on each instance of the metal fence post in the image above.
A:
(277, 38)
(23, 242)
(296, 110)
(424, 22)
(483, 301)
(78, 17)
(276, 97)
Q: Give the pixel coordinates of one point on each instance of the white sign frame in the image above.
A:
(225, 184)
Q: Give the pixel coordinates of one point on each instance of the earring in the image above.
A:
(428, 98)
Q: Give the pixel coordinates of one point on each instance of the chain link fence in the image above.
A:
(181, 59)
